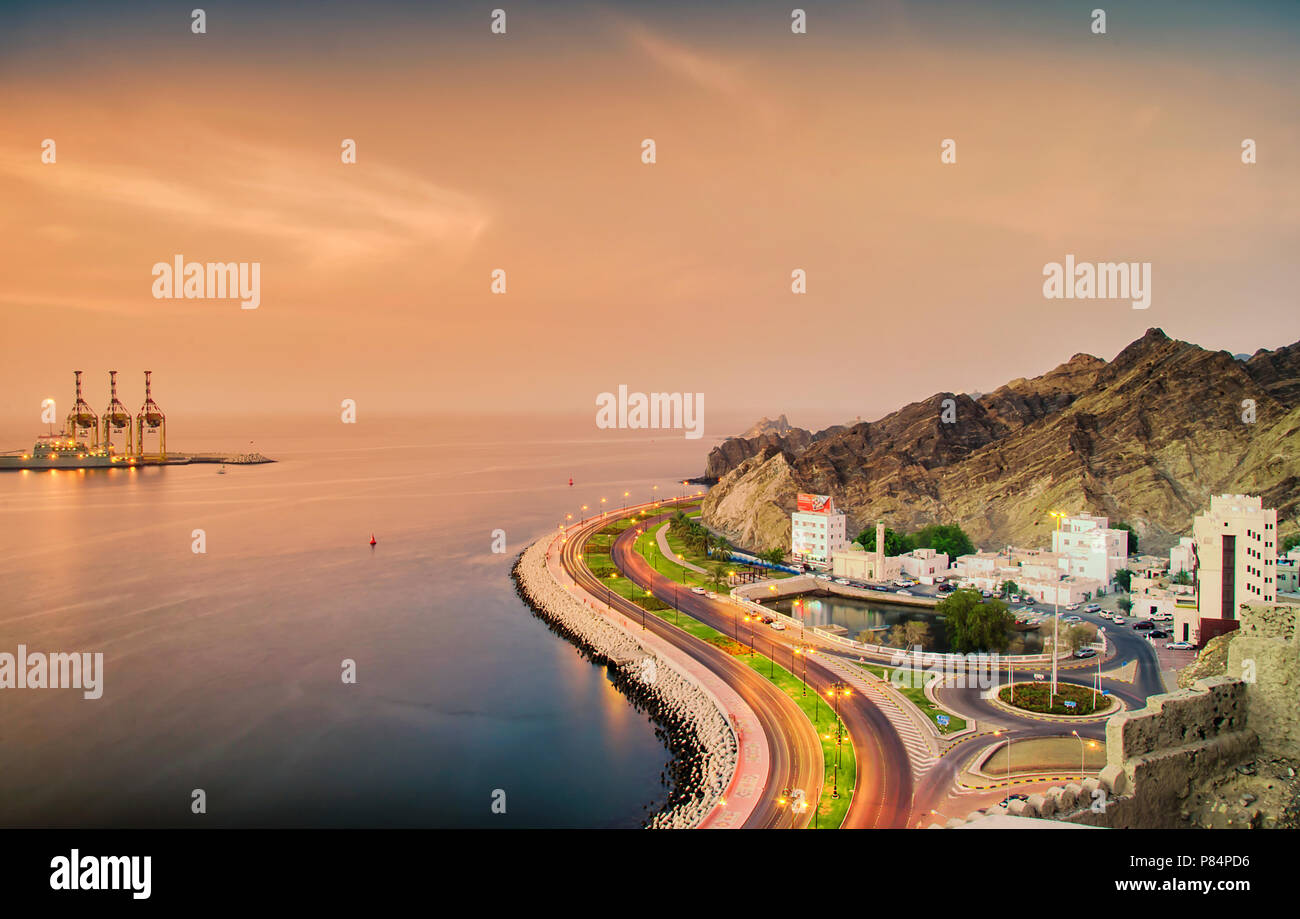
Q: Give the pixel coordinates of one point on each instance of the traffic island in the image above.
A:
(1069, 703)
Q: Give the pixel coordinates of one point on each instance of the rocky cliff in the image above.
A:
(1145, 438)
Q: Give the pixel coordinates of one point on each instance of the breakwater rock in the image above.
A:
(702, 744)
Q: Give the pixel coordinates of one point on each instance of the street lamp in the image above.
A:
(1056, 618)
(838, 688)
(1091, 743)
(999, 734)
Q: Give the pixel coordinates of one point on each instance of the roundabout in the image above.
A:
(1069, 703)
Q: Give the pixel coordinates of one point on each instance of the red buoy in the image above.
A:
(372, 539)
(570, 481)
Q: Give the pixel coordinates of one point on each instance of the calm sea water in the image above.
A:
(222, 670)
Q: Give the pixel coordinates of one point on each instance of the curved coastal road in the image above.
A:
(796, 756)
(882, 795)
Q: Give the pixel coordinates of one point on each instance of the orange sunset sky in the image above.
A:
(522, 152)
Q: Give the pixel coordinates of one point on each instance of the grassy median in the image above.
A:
(831, 731)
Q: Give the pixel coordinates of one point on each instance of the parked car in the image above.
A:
(986, 593)
(711, 595)
(1141, 626)
(1180, 645)
(1158, 633)
(1085, 652)
(946, 588)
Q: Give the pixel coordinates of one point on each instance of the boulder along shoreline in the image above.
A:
(700, 742)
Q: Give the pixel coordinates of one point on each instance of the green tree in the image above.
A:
(917, 632)
(1124, 578)
(718, 574)
(1132, 536)
(1080, 635)
(1182, 576)
(895, 543)
(722, 549)
(897, 636)
(973, 625)
(1289, 543)
(947, 538)
(773, 556)
(1125, 605)
(1009, 589)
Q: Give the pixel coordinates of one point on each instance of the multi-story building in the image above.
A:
(1236, 563)
(1288, 572)
(817, 530)
(1182, 557)
(1092, 549)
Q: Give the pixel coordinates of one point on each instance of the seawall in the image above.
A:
(701, 742)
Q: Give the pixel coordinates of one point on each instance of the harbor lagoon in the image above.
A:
(877, 619)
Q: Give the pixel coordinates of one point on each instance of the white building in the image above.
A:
(923, 563)
(1182, 557)
(1092, 549)
(858, 564)
(817, 530)
(1288, 572)
(1236, 563)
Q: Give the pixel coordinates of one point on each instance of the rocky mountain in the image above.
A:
(767, 425)
(1145, 438)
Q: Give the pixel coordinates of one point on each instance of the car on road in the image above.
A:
(1180, 646)
(1073, 606)
(1119, 620)
(842, 581)
(1072, 619)
(697, 590)
(903, 593)
(711, 595)
(1092, 608)
(1085, 652)
(986, 593)
(778, 625)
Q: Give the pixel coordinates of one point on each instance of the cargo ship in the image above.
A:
(70, 450)
(59, 451)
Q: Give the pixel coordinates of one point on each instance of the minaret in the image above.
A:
(880, 551)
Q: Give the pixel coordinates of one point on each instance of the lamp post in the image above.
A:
(999, 734)
(838, 688)
(1056, 618)
(1082, 753)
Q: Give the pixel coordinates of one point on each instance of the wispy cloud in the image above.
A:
(323, 210)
